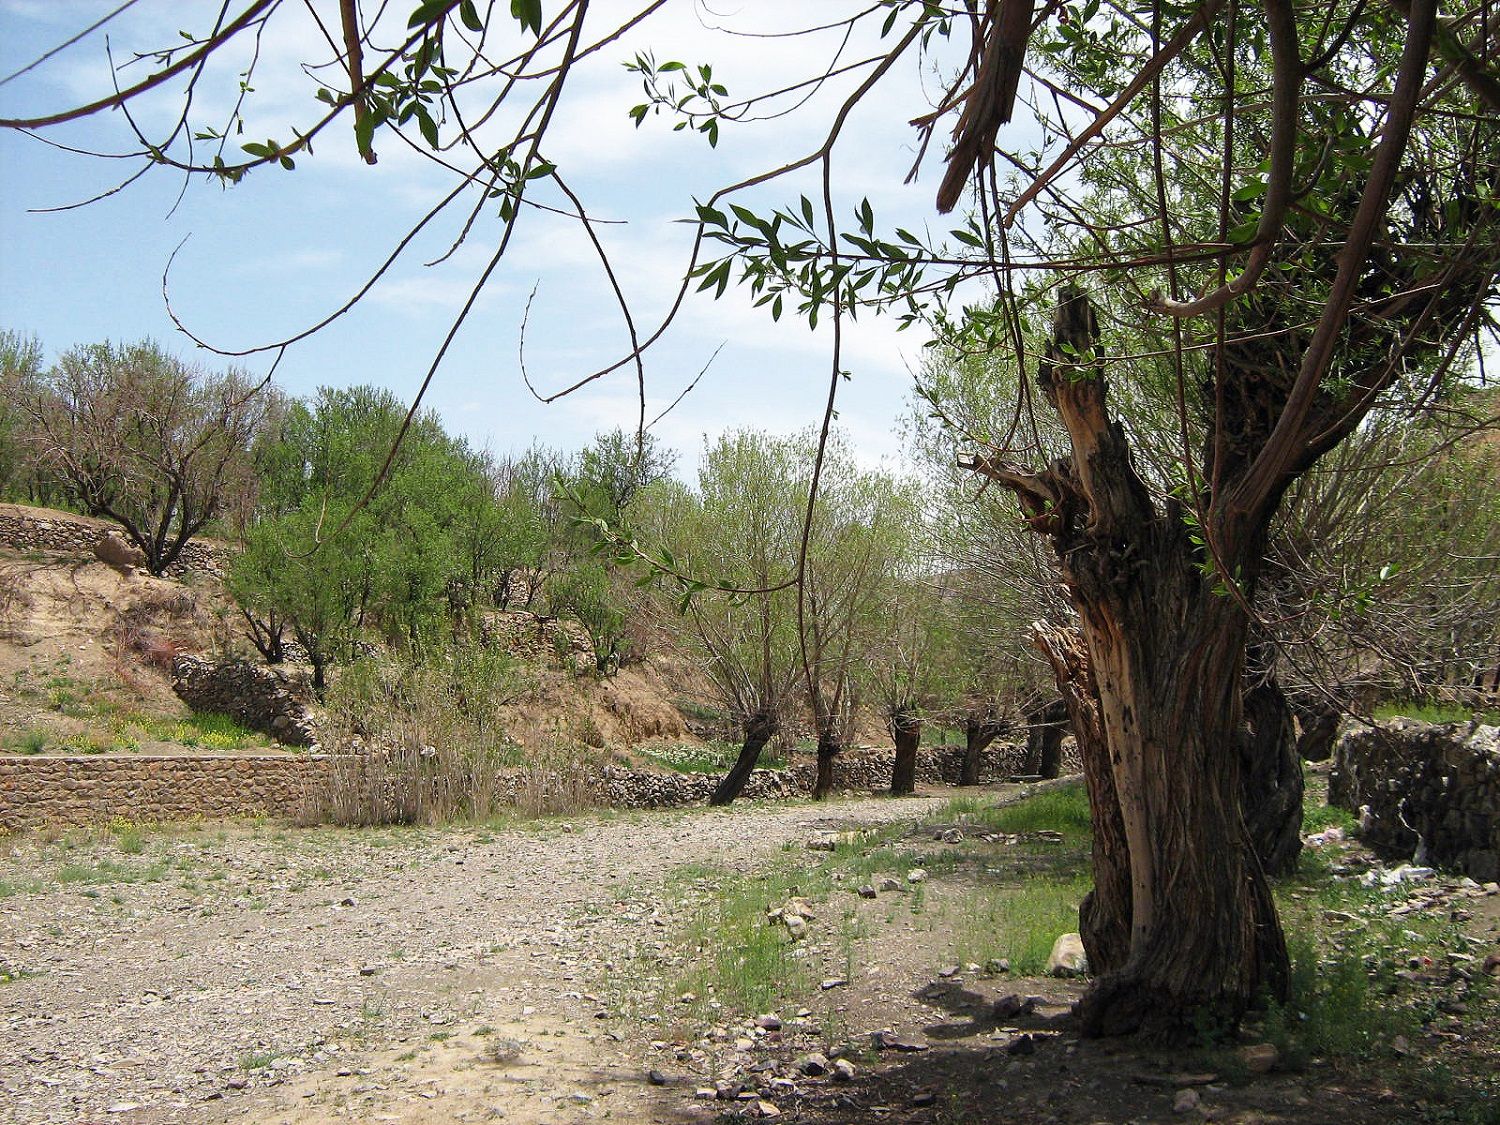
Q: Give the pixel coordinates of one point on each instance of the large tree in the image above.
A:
(1293, 204)
(135, 435)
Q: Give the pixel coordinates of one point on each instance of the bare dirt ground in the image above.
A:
(410, 976)
(530, 974)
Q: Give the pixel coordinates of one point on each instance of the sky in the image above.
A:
(278, 252)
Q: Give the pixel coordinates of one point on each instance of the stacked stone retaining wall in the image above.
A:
(43, 529)
(1423, 791)
(79, 790)
(263, 699)
(68, 791)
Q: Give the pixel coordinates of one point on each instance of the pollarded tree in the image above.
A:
(1361, 276)
(136, 436)
(742, 525)
(904, 664)
(1303, 194)
(860, 539)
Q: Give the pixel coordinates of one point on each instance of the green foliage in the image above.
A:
(333, 558)
(586, 593)
(1434, 712)
(716, 757)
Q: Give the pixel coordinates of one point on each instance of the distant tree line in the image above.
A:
(917, 589)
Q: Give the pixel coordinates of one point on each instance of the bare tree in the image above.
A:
(143, 439)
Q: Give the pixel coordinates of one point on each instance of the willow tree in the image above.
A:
(1292, 202)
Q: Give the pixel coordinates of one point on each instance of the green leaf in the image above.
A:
(470, 15)
(426, 12)
(666, 67)
(542, 170)
(1253, 190)
(364, 131)
(1245, 232)
(428, 126)
(528, 14)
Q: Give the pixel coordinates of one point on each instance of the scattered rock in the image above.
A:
(888, 884)
(832, 982)
(1186, 1101)
(885, 1040)
(843, 1070)
(1013, 1005)
(1068, 958)
(867, 891)
(768, 1022)
(813, 1065)
(923, 1097)
(997, 965)
(502, 1050)
(916, 875)
(1260, 1058)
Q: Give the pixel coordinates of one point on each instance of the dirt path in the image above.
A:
(404, 976)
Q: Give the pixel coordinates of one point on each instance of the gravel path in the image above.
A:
(311, 976)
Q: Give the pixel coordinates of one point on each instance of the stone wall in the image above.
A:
(39, 791)
(66, 791)
(44, 529)
(1424, 791)
(263, 699)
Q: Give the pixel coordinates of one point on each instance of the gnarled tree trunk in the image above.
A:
(1046, 724)
(759, 729)
(1181, 925)
(979, 732)
(906, 732)
(1271, 777)
(828, 749)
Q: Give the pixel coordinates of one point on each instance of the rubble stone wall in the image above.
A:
(43, 529)
(1425, 791)
(71, 791)
(78, 790)
(272, 702)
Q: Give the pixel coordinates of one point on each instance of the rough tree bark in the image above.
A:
(759, 729)
(906, 733)
(1271, 774)
(1181, 923)
(829, 748)
(980, 730)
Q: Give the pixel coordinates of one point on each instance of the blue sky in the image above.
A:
(279, 251)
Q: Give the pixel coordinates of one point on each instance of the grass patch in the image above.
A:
(210, 731)
(29, 742)
(1019, 922)
(736, 957)
(1435, 712)
(714, 757)
(9, 975)
(1064, 810)
(108, 872)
